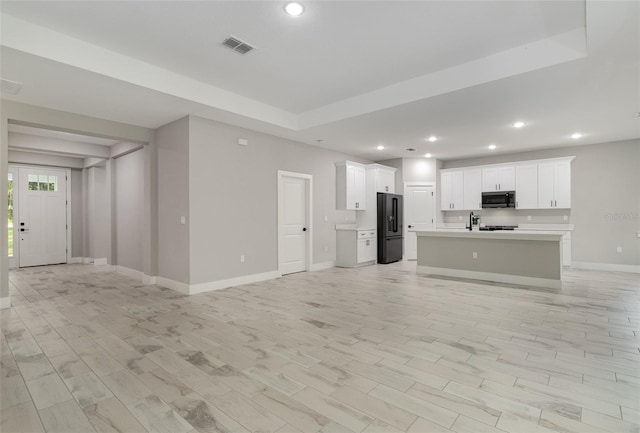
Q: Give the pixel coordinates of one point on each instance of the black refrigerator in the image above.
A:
(389, 228)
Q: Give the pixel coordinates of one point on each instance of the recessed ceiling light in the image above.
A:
(492, 147)
(432, 138)
(381, 147)
(519, 124)
(576, 135)
(294, 9)
(428, 155)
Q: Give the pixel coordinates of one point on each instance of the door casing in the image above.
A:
(309, 211)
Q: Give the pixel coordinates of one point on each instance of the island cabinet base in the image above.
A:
(513, 258)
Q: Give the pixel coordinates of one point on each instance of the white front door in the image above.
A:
(294, 225)
(42, 224)
(419, 215)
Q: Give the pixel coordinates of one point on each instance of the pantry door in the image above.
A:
(419, 205)
(294, 222)
(42, 218)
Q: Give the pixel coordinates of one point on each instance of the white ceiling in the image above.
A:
(354, 74)
(61, 135)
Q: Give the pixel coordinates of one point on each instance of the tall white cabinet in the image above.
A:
(472, 190)
(351, 181)
(380, 178)
(452, 190)
(554, 185)
(527, 186)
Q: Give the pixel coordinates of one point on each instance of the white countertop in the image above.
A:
(352, 227)
(534, 235)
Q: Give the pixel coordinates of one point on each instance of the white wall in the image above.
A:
(129, 210)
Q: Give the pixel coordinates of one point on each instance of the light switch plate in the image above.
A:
(183, 220)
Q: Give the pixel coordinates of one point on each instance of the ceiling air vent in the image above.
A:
(237, 45)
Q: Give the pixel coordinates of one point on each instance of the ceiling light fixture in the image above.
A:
(294, 9)
(380, 147)
(432, 138)
(519, 124)
(428, 155)
(576, 135)
(492, 146)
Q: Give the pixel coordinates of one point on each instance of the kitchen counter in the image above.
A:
(525, 257)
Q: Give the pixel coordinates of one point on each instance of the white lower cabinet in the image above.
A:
(356, 247)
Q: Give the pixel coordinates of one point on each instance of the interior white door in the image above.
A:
(293, 225)
(42, 225)
(419, 202)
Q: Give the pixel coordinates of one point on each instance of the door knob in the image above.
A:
(304, 229)
(409, 226)
(24, 230)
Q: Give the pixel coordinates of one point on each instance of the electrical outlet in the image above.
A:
(326, 218)
(326, 248)
(242, 258)
(619, 249)
(565, 217)
(183, 220)
(529, 218)
(474, 255)
(459, 217)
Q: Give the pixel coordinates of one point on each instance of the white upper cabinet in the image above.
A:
(385, 180)
(554, 184)
(351, 186)
(539, 184)
(499, 178)
(527, 186)
(452, 190)
(380, 178)
(472, 189)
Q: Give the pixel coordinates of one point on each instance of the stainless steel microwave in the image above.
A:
(499, 199)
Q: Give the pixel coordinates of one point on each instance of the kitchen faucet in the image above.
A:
(471, 221)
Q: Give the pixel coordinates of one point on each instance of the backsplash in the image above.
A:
(511, 216)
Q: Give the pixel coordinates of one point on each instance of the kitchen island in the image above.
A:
(531, 258)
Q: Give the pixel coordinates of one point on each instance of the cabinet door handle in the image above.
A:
(551, 203)
(556, 203)
(496, 186)
(499, 186)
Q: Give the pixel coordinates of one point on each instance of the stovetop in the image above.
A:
(494, 228)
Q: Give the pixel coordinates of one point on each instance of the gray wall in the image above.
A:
(233, 199)
(605, 200)
(129, 208)
(173, 152)
(98, 214)
(77, 214)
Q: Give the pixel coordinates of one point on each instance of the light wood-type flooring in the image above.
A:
(375, 349)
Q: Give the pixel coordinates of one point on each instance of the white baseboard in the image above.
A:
(193, 289)
(489, 276)
(5, 303)
(231, 282)
(100, 262)
(75, 260)
(87, 260)
(149, 280)
(173, 285)
(136, 274)
(323, 265)
(612, 267)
